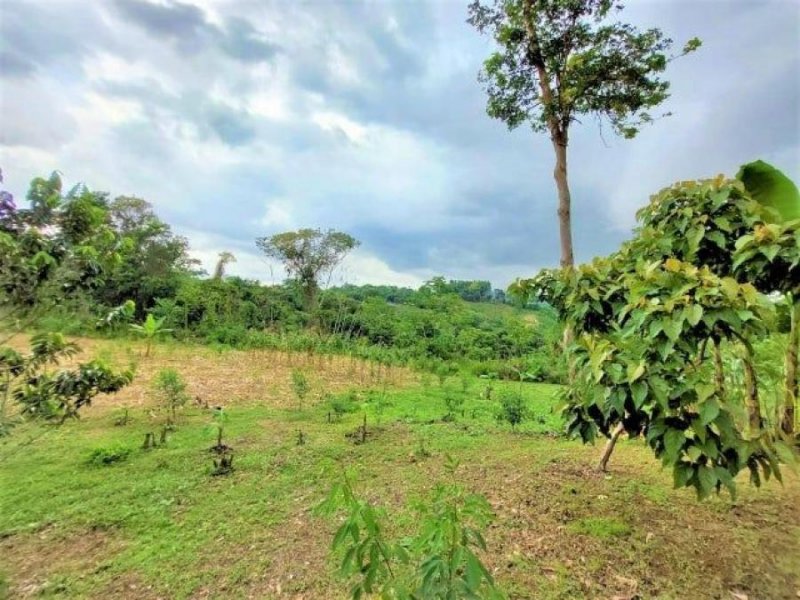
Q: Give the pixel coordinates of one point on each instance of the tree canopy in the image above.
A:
(308, 255)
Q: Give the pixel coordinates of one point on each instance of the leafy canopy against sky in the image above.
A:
(239, 119)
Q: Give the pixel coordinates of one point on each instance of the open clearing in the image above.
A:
(157, 525)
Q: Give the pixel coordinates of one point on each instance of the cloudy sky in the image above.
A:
(242, 118)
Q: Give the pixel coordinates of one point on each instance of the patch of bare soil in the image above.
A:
(674, 546)
(34, 561)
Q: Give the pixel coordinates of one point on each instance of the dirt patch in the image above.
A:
(34, 562)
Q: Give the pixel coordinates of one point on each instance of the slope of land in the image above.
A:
(158, 525)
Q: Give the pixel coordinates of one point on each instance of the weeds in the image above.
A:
(108, 455)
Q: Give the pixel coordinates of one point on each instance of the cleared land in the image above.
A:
(157, 525)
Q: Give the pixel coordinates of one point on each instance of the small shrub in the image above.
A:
(170, 388)
(340, 406)
(440, 559)
(379, 403)
(512, 409)
(453, 403)
(218, 420)
(108, 455)
(300, 386)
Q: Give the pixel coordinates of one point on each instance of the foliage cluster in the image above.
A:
(41, 394)
(693, 279)
(439, 561)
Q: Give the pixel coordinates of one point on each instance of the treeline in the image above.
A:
(71, 257)
(468, 290)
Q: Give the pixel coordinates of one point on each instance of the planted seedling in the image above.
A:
(218, 420)
(300, 386)
(170, 388)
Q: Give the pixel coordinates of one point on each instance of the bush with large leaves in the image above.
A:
(643, 318)
(41, 394)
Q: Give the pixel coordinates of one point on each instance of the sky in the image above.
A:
(242, 118)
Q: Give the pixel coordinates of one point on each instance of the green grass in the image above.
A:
(159, 521)
(600, 527)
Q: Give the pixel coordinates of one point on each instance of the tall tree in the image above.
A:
(152, 256)
(60, 245)
(308, 255)
(560, 59)
(225, 258)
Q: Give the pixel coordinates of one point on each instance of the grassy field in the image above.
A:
(158, 525)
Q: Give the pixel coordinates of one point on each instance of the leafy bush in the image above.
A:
(342, 405)
(453, 402)
(42, 394)
(108, 455)
(300, 385)
(513, 409)
(170, 388)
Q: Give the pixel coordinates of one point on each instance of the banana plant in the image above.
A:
(150, 329)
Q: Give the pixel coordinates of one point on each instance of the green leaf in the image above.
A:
(635, 371)
(707, 478)
(639, 393)
(681, 473)
(725, 478)
(771, 188)
(709, 411)
(673, 442)
(693, 314)
(672, 327)
(704, 391)
(474, 572)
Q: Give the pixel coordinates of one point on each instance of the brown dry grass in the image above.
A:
(229, 377)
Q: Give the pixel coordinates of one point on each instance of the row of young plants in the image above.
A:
(649, 326)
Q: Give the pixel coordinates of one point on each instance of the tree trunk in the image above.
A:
(751, 391)
(790, 392)
(612, 441)
(564, 199)
(719, 372)
(558, 132)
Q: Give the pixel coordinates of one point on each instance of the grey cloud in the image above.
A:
(233, 128)
(187, 26)
(34, 35)
(14, 65)
(243, 42)
(185, 23)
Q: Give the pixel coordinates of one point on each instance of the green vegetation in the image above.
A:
(161, 522)
(436, 417)
(170, 389)
(600, 527)
(695, 277)
(439, 562)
